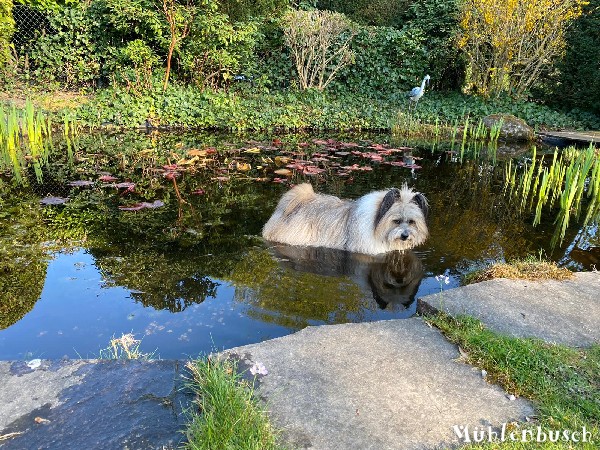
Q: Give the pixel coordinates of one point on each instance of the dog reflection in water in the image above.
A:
(393, 278)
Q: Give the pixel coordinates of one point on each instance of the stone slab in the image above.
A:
(565, 312)
(577, 136)
(92, 404)
(393, 384)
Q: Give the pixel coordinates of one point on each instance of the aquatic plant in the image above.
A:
(567, 180)
(26, 139)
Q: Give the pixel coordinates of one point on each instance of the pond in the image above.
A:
(159, 235)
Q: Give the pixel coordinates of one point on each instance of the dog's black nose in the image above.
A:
(404, 236)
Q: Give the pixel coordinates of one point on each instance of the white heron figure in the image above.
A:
(417, 92)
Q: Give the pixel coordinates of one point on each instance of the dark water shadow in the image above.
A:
(392, 280)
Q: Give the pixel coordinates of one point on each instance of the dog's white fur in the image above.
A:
(379, 222)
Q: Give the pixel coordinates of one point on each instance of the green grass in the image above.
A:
(227, 415)
(563, 383)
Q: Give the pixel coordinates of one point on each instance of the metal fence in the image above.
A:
(29, 24)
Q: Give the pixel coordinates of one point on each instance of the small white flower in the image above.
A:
(34, 363)
(447, 280)
(258, 369)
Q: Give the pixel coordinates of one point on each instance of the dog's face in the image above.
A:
(401, 219)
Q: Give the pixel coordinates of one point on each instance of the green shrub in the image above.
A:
(7, 28)
(386, 60)
(576, 83)
(387, 13)
(247, 10)
(68, 53)
(217, 49)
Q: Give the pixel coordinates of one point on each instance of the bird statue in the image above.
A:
(417, 92)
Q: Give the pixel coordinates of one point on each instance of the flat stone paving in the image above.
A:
(565, 312)
(394, 384)
(91, 404)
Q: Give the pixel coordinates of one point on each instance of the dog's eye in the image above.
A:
(411, 222)
(398, 221)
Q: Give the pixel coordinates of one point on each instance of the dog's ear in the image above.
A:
(421, 201)
(390, 198)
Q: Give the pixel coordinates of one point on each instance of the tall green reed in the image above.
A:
(566, 181)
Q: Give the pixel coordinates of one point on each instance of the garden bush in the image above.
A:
(385, 60)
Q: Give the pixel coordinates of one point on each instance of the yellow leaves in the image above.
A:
(510, 34)
(253, 151)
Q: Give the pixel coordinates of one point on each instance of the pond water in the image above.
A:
(159, 235)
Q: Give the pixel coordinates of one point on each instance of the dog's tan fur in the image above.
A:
(379, 222)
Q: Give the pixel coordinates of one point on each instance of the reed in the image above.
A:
(564, 182)
(26, 139)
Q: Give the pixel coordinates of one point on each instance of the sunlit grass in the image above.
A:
(125, 347)
(26, 139)
(227, 414)
(563, 383)
(529, 268)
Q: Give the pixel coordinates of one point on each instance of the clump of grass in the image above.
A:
(529, 268)
(125, 347)
(563, 383)
(227, 414)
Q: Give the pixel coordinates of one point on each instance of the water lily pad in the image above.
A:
(143, 205)
(81, 183)
(54, 200)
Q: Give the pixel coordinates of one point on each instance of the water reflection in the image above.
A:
(392, 279)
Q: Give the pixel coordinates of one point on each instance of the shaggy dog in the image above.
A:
(379, 222)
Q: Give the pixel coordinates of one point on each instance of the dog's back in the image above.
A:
(303, 217)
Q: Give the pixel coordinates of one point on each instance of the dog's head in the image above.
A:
(401, 218)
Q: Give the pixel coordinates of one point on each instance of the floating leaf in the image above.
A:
(107, 178)
(126, 185)
(54, 200)
(243, 167)
(143, 205)
(81, 183)
(196, 152)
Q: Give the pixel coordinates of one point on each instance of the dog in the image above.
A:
(392, 279)
(379, 222)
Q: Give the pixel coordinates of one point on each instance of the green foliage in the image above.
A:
(117, 23)
(7, 28)
(576, 83)
(437, 21)
(227, 414)
(217, 49)
(564, 383)
(247, 10)
(140, 60)
(69, 55)
(23, 261)
(387, 13)
(386, 60)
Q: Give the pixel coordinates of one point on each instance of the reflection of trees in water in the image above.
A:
(23, 261)
(172, 282)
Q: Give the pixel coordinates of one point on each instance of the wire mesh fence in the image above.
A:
(30, 23)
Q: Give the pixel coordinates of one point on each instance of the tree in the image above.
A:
(320, 45)
(509, 43)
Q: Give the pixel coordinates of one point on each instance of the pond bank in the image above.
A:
(389, 384)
